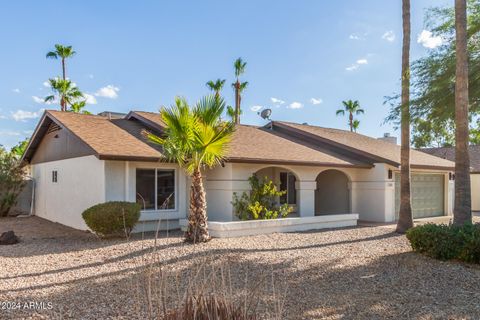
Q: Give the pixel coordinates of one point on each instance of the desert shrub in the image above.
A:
(12, 181)
(261, 202)
(114, 218)
(447, 242)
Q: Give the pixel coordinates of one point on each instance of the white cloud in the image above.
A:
(3, 117)
(9, 133)
(357, 64)
(16, 90)
(46, 84)
(295, 105)
(428, 40)
(277, 101)
(28, 132)
(389, 36)
(353, 37)
(90, 98)
(90, 76)
(109, 91)
(21, 115)
(256, 108)
(352, 67)
(316, 101)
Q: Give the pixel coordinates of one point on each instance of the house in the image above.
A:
(81, 160)
(474, 152)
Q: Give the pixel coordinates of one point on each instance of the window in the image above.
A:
(54, 176)
(155, 189)
(287, 183)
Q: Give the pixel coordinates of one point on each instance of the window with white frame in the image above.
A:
(155, 189)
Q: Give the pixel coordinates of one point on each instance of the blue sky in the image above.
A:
(138, 55)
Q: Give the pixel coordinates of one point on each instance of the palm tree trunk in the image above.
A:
(351, 121)
(63, 69)
(462, 211)
(405, 219)
(197, 218)
(237, 102)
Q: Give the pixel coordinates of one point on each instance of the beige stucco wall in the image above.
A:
(475, 183)
(80, 185)
(369, 189)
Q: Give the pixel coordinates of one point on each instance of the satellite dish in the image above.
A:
(266, 113)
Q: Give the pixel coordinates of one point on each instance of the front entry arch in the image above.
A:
(332, 195)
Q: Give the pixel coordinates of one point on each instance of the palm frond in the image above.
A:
(342, 112)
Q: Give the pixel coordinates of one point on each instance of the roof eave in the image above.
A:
(296, 162)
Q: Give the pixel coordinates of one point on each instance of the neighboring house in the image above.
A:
(80, 160)
(474, 152)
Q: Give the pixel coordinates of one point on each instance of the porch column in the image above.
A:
(306, 195)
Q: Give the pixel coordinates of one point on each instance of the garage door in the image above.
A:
(427, 195)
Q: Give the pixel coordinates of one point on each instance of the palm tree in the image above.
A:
(239, 66)
(66, 92)
(62, 52)
(462, 212)
(77, 107)
(356, 124)
(405, 219)
(195, 138)
(216, 86)
(352, 107)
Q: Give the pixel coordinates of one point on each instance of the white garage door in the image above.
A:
(427, 195)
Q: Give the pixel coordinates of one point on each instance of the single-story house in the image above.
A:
(474, 152)
(81, 160)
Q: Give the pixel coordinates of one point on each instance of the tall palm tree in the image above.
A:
(352, 107)
(62, 52)
(356, 124)
(65, 91)
(216, 86)
(239, 66)
(405, 219)
(195, 138)
(462, 212)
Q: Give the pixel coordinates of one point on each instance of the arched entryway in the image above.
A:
(332, 195)
(285, 180)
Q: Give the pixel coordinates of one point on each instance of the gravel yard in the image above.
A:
(353, 273)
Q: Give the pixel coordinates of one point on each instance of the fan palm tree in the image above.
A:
(62, 52)
(216, 86)
(405, 218)
(356, 124)
(196, 139)
(239, 66)
(462, 212)
(77, 107)
(65, 91)
(352, 107)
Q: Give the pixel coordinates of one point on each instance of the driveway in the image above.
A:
(352, 273)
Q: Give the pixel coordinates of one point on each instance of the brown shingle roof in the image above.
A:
(449, 153)
(153, 119)
(254, 144)
(113, 139)
(368, 146)
(122, 139)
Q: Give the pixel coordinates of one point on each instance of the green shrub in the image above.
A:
(115, 218)
(261, 202)
(447, 242)
(12, 181)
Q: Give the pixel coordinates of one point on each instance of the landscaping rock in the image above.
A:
(8, 237)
